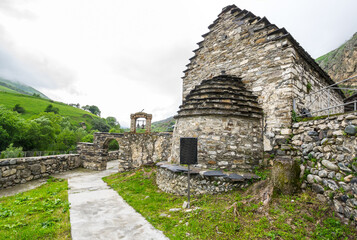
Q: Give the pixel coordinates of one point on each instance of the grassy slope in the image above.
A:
(5, 89)
(336, 56)
(287, 217)
(34, 106)
(163, 125)
(41, 213)
(20, 88)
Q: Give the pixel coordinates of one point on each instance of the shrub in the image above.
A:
(88, 138)
(18, 109)
(12, 152)
(51, 108)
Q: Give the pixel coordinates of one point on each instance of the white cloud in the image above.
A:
(124, 56)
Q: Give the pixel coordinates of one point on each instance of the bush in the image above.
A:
(18, 109)
(51, 108)
(88, 138)
(113, 145)
(100, 124)
(12, 152)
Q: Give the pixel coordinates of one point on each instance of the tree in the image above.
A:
(5, 139)
(93, 109)
(10, 126)
(100, 124)
(74, 105)
(51, 108)
(66, 140)
(112, 122)
(18, 109)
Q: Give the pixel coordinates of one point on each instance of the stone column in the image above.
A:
(148, 123)
(132, 123)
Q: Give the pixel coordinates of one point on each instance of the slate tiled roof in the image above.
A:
(222, 95)
(280, 33)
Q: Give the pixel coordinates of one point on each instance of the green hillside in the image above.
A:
(16, 87)
(341, 63)
(35, 105)
(5, 89)
(165, 125)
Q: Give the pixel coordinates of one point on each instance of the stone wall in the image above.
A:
(327, 149)
(92, 156)
(145, 148)
(21, 170)
(223, 143)
(172, 178)
(270, 62)
(308, 93)
(135, 149)
(113, 155)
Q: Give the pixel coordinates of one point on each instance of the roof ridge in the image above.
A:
(305, 55)
(244, 14)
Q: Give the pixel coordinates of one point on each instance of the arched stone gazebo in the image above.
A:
(135, 116)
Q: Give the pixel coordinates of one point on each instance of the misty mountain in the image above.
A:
(16, 87)
(341, 63)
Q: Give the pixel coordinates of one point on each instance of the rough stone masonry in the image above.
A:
(226, 119)
(270, 62)
(327, 149)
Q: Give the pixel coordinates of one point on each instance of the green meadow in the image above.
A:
(36, 105)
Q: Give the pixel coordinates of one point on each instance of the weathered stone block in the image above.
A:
(285, 175)
(351, 129)
(9, 172)
(329, 165)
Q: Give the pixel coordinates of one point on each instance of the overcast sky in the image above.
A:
(125, 56)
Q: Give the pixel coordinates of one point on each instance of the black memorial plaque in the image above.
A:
(188, 150)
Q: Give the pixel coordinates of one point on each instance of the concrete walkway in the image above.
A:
(97, 211)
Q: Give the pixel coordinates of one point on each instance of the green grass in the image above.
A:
(163, 125)
(5, 89)
(41, 213)
(34, 106)
(287, 217)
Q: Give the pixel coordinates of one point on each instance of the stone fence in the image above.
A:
(327, 149)
(21, 170)
(134, 151)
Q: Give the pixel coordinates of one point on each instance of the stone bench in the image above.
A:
(172, 178)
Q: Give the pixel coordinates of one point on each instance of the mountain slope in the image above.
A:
(165, 125)
(35, 105)
(341, 63)
(16, 87)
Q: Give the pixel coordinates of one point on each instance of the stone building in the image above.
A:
(271, 64)
(226, 119)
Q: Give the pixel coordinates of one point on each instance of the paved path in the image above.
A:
(97, 211)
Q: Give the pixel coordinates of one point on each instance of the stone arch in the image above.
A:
(112, 154)
(107, 141)
(133, 121)
(100, 142)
